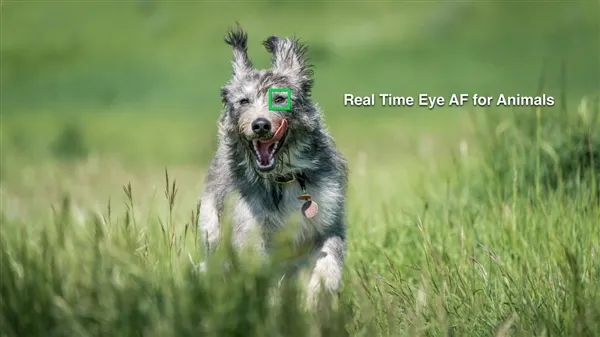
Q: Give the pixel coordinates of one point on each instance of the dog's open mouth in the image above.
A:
(265, 150)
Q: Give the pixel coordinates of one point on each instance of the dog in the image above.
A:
(278, 163)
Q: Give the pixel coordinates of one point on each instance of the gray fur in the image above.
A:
(308, 149)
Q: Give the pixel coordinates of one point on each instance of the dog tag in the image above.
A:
(310, 209)
(304, 196)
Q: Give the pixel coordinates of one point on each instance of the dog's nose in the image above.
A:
(261, 126)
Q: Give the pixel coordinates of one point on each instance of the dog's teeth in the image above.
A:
(254, 144)
(272, 154)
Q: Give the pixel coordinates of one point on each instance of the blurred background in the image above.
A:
(96, 94)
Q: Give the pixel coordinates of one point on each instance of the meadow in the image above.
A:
(463, 221)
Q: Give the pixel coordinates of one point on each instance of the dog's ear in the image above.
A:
(289, 58)
(238, 40)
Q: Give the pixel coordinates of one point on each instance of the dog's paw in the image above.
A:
(202, 267)
(199, 267)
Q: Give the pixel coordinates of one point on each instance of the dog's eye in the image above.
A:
(244, 101)
(279, 100)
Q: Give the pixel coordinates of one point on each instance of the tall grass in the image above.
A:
(508, 245)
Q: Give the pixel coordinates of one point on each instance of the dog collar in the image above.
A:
(286, 178)
(290, 178)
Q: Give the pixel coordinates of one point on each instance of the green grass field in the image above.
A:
(462, 221)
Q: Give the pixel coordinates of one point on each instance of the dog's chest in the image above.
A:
(285, 201)
(284, 210)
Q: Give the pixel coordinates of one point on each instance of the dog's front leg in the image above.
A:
(212, 201)
(248, 232)
(208, 221)
(325, 278)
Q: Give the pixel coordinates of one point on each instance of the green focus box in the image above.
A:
(287, 107)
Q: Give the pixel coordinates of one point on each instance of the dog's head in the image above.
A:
(268, 129)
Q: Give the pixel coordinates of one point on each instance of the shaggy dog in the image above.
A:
(276, 156)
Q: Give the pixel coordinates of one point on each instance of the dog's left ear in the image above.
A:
(289, 58)
(238, 40)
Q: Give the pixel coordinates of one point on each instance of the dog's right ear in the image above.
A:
(238, 40)
(288, 56)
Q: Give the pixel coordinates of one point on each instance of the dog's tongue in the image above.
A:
(278, 134)
(265, 147)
